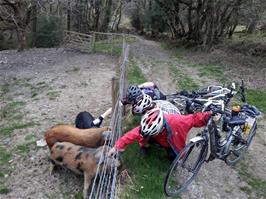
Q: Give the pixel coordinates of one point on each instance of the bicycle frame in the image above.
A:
(210, 136)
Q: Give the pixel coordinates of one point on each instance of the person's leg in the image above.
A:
(84, 120)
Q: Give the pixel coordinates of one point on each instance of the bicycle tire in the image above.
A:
(198, 149)
(236, 152)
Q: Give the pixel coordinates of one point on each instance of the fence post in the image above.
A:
(93, 42)
(115, 88)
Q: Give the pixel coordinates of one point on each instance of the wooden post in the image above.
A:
(115, 89)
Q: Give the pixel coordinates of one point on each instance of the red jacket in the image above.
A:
(180, 126)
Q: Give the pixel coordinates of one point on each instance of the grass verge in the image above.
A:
(257, 98)
(148, 171)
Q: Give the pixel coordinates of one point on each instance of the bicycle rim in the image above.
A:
(237, 151)
(184, 168)
(235, 154)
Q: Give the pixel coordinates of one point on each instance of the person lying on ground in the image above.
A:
(85, 120)
(148, 88)
(144, 103)
(168, 130)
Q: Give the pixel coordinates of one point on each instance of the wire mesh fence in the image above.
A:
(105, 182)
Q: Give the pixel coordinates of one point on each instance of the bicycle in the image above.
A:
(186, 102)
(187, 164)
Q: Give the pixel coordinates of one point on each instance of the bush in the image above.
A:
(50, 31)
(5, 43)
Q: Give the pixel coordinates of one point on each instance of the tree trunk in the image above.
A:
(252, 26)
(68, 15)
(106, 15)
(119, 17)
(34, 23)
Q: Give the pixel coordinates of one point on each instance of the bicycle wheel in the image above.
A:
(185, 167)
(237, 149)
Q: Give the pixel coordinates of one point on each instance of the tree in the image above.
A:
(203, 22)
(17, 14)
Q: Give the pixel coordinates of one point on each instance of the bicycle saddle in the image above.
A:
(235, 121)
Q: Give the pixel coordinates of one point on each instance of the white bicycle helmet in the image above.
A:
(142, 104)
(152, 123)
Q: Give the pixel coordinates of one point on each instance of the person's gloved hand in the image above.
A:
(216, 114)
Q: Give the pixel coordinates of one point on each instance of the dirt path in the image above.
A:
(216, 179)
(54, 85)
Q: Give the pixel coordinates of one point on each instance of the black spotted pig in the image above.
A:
(81, 160)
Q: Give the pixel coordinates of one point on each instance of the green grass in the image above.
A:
(183, 81)
(257, 37)
(186, 83)
(12, 110)
(5, 157)
(4, 189)
(29, 137)
(108, 48)
(24, 148)
(78, 195)
(52, 95)
(8, 130)
(4, 89)
(35, 89)
(257, 98)
(113, 46)
(38, 88)
(147, 172)
(135, 75)
(257, 185)
(212, 71)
